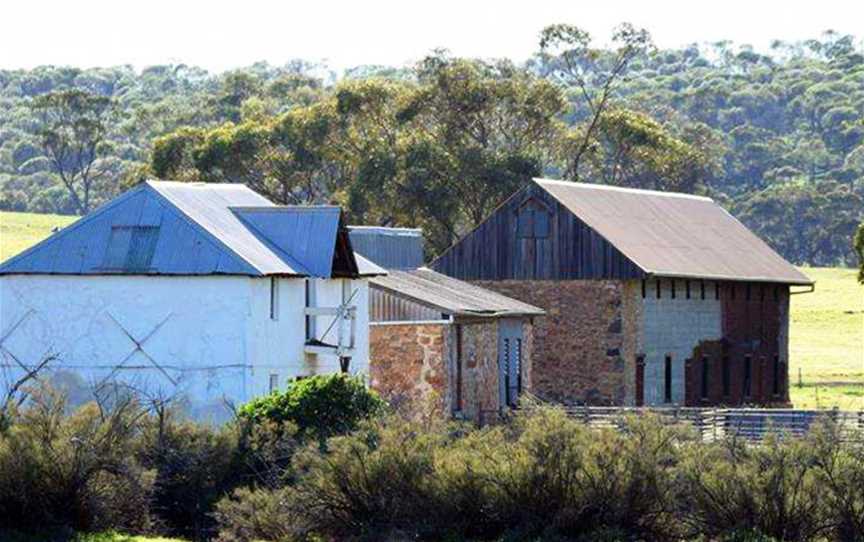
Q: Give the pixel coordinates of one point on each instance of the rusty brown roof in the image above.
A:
(451, 295)
(674, 235)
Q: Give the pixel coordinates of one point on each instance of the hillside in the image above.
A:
(826, 335)
(776, 137)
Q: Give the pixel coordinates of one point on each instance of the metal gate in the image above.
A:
(509, 361)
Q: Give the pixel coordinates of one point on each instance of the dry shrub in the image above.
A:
(77, 471)
(768, 490)
(259, 514)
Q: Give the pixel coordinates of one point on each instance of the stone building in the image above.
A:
(651, 298)
(440, 343)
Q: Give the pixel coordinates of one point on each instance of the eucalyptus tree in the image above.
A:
(73, 127)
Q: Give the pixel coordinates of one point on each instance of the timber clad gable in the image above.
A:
(567, 248)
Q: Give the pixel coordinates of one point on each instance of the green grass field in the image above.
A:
(826, 341)
(826, 336)
(21, 230)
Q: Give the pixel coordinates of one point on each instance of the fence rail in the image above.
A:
(752, 424)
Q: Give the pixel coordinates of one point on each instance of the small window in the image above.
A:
(732, 291)
(672, 287)
(727, 377)
(667, 380)
(310, 302)
(702, 288)
(705, 372)
(532, 220)
(687, 288)
(776, 293)
(748, 374)
(777, 375)
(519, 366)
(130, 248)
(643, 288)
(748, 292)
(761, 292)
(716, 290)
(274, 298)
(658, 287)
(274, 382)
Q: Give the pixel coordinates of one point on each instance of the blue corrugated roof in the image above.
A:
(391, 248)
(202, 229)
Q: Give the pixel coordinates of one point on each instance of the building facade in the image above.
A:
(651, 298)
(441, 345)
(206, 294)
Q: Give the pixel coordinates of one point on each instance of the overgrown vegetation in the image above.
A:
(541, 476)
(139, 467)
(777, 138)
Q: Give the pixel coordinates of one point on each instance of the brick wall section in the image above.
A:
(579, 344)
(754, 325)
(408, 365)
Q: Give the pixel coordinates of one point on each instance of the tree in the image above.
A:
(632, 149)
(73, 130)
(810, 222)
(594, 72)
(858, 244)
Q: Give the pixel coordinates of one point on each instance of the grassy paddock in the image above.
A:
(826, 341)
(19, 231)
(826, 332)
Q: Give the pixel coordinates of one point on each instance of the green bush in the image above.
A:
(75, 471)
(260, 514)
(320, 406)
(770, 490)
(195, 466)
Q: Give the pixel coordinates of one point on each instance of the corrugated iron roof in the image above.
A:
(450, 295)
(391, 248)
(205, 228)
(674, 235)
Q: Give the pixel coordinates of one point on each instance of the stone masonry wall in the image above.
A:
(479, 369)
(408, 365)
(578, 353)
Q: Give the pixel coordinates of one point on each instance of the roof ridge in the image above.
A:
(214, 238)
(596, 186)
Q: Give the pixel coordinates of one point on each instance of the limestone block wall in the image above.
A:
(674, 325)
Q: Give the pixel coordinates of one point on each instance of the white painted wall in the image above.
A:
(675, 327)
(218, 341)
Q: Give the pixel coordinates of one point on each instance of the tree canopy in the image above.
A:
(777, 137)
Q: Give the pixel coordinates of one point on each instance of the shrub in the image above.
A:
(76, 471)
(320, 406)
(259, 514)
(550, 476)
(377, 481)
(766, 490)
(839, 470)
(195, 466)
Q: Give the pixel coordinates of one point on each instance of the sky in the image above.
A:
(219, 35)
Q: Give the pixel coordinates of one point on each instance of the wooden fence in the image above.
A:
(752, 424)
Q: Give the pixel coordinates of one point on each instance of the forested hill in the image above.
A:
(777, 138)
